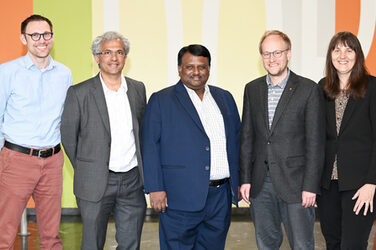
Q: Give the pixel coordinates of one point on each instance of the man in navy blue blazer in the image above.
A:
(190, 147)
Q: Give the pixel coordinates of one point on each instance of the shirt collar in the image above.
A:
(282, 84)
(191, 91)
(29, 62)
(123, 85)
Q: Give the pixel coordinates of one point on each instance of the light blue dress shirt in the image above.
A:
(31, 102)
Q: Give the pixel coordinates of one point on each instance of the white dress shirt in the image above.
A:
(212, 121)
(123, 148)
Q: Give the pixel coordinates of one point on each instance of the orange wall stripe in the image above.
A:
(371, 58)
(347, 16)
(12, 13)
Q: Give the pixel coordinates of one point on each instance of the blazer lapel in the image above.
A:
(351, 104)
(264, 102)
(285, 98)
(132, 103)
(100, 101)
(331, 117)
(185, 100)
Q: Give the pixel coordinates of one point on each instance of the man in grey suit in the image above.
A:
(281, 148)
(100, 132)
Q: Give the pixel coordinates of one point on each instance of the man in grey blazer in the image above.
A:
(281, 148)
(100, 132)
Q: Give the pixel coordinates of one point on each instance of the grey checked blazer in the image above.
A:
(86, 137)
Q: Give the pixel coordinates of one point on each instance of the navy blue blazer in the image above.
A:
(176, 149)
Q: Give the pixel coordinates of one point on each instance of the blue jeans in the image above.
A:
(268, 211)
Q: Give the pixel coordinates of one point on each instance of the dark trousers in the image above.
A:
(341, 227)
(206, 229)
(125, 198)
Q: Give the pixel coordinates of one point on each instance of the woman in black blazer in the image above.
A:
(346, 203)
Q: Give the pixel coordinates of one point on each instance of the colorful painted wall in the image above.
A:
(157, 29)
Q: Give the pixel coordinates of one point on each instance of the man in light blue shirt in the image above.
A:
(32, 94)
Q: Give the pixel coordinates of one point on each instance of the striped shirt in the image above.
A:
(212, 121)
(274, 94)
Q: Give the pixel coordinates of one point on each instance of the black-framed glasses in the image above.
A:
(276, 53)
(109, 53)
(36, 36)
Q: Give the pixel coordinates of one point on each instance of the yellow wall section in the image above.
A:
(97, 27)
(72, 31)
(143, 22)
(241, 26)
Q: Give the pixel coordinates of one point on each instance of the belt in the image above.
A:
(113, 172)
(217, 183)
(40, 153)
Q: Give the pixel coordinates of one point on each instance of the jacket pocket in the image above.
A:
(80, 158)
(173, 166)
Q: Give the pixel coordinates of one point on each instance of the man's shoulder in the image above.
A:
(168, 91)
(135, 83)
(256, 82)
(12, 65)
(303, 81)
(132, 81)
(220, 91)
(85, 85)
(61, 67)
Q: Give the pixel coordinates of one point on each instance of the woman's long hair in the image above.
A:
(358, 76)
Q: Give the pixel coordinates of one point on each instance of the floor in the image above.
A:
(241, 235)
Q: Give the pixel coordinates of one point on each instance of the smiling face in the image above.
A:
(38, 50)
(113, 63)
(343, 59)
(276, 67)
(194, 71)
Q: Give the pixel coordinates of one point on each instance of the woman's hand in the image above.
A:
(365, 196)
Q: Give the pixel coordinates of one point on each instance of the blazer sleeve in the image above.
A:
(246, 141)
(151, 144)
(315, 140)
(70, 125)
(371, 176)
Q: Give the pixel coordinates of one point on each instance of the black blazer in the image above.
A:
(355, 144)
(292, 148)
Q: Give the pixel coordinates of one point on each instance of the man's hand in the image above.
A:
(244, 191)
(364, 196)
(158, 201)
(308, 199)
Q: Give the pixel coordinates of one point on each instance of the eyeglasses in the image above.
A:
(36, 36)
(276, 53)
(109, 53)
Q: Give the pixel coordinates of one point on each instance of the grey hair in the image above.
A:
(108, 36)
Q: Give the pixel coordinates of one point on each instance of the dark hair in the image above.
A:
(267, 33)
(194, 49)
(358, 76)
(34, 18)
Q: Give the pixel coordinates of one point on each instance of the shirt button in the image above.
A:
(269, 142)
(207, 167)
(207, 148)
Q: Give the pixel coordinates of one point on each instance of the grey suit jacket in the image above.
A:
(293, 148)
(86, 137)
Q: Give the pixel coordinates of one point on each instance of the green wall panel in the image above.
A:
(73, 35)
